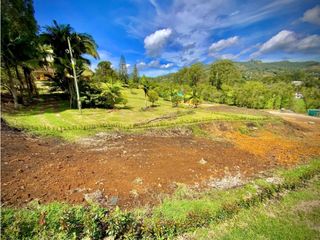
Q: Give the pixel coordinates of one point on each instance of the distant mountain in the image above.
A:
(256, 67)
(282, 66)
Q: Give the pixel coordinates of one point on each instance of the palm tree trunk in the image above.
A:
(30, 86)
(22, 87)
(12, 87)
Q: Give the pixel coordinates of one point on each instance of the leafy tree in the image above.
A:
(105, 73)
(196, 97)
(176, 98)
(153, 96)
(146, 87)
(82, 43)
(123, 71)
(181, 76)
(223, 72)
(195, 73)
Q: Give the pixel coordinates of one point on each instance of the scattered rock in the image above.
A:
(138, 181)
(202, 161)
(226, 182)
(274, 180)
(113, 200)
(134, 193)
(96, 197)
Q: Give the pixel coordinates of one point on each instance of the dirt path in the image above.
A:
(137, 169)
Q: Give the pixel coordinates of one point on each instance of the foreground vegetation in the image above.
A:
(294, 216)
(184, 212)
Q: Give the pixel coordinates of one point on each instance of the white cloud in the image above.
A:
(157, 72)
(165, 66)
(226, 56)
(223, 43)
(310, 43)
(155, 64)
(312, 15)
(193, 22)
(289, 41)
(281, 40)
(156, 41)
(141, 65)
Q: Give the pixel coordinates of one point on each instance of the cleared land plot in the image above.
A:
(139, 168)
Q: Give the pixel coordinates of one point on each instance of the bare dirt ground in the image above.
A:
(138, 169)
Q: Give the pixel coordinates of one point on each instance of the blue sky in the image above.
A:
(161, 36)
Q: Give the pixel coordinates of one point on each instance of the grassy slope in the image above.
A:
(57, 120)
(295, 216)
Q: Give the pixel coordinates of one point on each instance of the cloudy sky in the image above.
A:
(161, 36)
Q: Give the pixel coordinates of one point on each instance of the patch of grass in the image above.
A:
(282, 219)
(235, 214)
(55, 119)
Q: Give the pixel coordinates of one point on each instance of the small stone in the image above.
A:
(138, 181)
(202, 161)
(113, 200)
(95, 197)
(134, 193)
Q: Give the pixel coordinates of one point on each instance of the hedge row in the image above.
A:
(169, 123)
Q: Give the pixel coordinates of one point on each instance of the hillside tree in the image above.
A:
(123, 71)
(135, 75)
(105, 73)
(223, 72)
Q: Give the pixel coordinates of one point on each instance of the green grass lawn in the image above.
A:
(55, 118)
(295, 216)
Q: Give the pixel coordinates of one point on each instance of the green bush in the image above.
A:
(298, 105)
(153, 96)
(311, 97)
(100, 94)
(176, 99)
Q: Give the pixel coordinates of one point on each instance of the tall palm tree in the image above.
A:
(82, 43)
(18, 45)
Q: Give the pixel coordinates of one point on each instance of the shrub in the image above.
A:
(176, 99)
(105, 95)
(311, 97)
(153, 96)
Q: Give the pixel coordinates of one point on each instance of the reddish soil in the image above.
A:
(138, 169)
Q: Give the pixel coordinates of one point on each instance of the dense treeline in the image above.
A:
(252, 84)
(225, 82)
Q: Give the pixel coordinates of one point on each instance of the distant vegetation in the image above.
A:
(250, 84)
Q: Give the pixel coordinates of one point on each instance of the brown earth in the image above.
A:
(140, 168)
